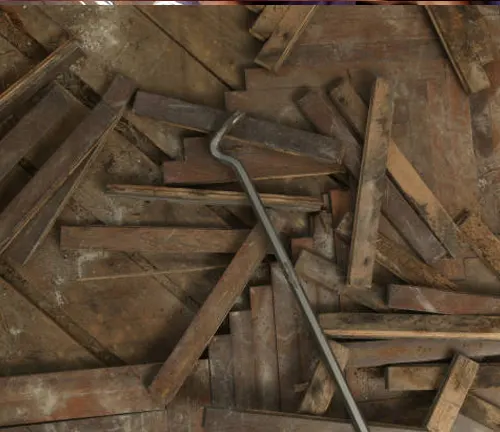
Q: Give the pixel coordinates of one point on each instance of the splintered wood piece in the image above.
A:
(81, 142)
(422, 299)
(378, 326)
(205, 324)
(402, 171)
(371, 186)
(395, 208)
(243, 359)
(249, 130)
(481, 411)
(220, 357)
(482, 241)
(321, 387)
(452, 394)
(280, 44)
(267, 21)
(153, 239)
(214, 197)
(430, 377)
(224, 420)
(458, 33)
(38, 77)
(265, 350)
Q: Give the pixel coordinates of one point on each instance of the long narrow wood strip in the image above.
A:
(371, 186)
(280, 44)
(214, 197)
(265, 350)
(422, 299)
(402, 171)
(430, 377)
(220, 357)
(268, 19)
(378, 326)
(64, 161)
(152, 239)
(38, 77)
(250, 130)
(212, 313)
(481, 411)
(452, 394)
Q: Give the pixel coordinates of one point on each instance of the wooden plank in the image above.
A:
(265, 350)
(64, 161)
(220, 357)
(481, 411)
(482, 241)
(379, 326)
(452, 394)
(243, 360)
(152, 239)
(250, 130)
(281, 42)
(371, 186)
(395, 208)
(267, 21)
(458, 33)
(422, 299)
(390, 352)
(321, 389)
(430, 377)
(38, 77)
(224, 420)
(402, 171)
(213, 197)
(299, 244)
(210, 316)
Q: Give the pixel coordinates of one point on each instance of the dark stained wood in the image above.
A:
(210, 316)
(38, 77)
(481, 411)
(452, 394)
(220, 358)
(411, 326)
(340, 204)
(321, 389)
(64, 161)
(265, 351)
(422, 299)
(266, 22)
(152, 239)
(395, 208)
(251, 131)
(430, 377)
(371, 186)
(285, 35)
(223, 420)
(460, 33)
(214, 197)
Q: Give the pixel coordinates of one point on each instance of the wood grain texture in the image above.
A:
(250, 130)
(378, 326)
(197, 336)
(279, 45)
(371, 186)
(452, 394)
(152, 239)
(321, 389)
(266, 22)
(220, 358)
(422, 299)
(39, 76)
(265, 350)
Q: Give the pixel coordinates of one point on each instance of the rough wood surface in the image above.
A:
(152, 239)
(210, 316)
(250, 130)
(452, 394)
(422, 299)
(266, 22)
(265, 350)
(220, 358)
(379, 326)
(371, 186)
(481, 411)
(279, 45)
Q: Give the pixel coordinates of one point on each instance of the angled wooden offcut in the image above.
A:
(266, 22)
